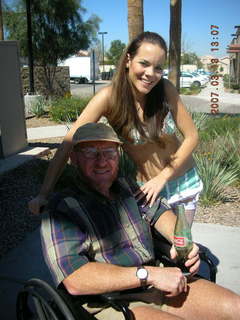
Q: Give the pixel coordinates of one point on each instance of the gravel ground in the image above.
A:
(18, 186)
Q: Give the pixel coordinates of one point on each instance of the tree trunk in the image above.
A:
(135, 18)
(1, 22)
(175, 42)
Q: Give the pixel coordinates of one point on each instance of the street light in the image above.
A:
(30, 50)
(102, 33)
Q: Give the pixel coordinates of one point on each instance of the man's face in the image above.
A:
(98, 162)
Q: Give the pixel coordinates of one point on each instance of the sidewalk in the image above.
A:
(26, 262)
(46, 132)
(28, 154)
(226, 102)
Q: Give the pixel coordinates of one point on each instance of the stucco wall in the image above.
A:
(61, 83)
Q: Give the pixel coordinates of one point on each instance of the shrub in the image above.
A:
(218, 163)
(219, 126)
(39, 107)
(191, 90)
(67, 109)
(185, 91)
(235, 86)
(195, 89)
(215, 177)
(200, 119)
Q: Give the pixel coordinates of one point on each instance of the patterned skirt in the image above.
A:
(186, 186)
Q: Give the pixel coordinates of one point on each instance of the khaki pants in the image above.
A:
(151, 297)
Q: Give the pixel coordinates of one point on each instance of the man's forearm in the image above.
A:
(97, 278)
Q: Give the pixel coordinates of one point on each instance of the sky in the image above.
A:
(197, 18)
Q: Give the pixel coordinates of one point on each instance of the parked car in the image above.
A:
(186, 79)
(203, 78)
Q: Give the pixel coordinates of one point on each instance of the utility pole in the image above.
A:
(1, 22)
(103, 33)
(30, 50)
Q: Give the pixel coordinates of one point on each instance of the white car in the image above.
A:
(203, 78)
(186, 79)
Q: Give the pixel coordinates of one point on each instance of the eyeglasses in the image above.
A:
(93, 153)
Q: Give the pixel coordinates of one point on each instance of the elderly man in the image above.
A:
(96, 239)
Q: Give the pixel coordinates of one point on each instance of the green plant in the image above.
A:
(200, 119)
(39, 106)
(191, 90)
(215, 178)
(219, 126)
(67, 109)
(195, 89)
(235, 86)
(185, 91)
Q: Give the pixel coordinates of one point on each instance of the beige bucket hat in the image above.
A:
(95, 132)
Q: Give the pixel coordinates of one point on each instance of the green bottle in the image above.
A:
(182, 237)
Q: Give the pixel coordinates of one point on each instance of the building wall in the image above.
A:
(61, 83)
(223, 63)
(188, 67)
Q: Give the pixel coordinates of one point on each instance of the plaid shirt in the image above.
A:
(83, 226)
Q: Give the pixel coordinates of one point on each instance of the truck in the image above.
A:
(81, 68)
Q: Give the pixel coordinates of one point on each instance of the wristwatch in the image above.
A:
(142, 275)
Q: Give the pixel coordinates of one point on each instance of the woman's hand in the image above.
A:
(150, 190)
(37, 203)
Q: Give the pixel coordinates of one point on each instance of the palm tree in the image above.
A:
(135, 18)
(175, 42)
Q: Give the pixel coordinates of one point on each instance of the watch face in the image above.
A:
(142, 273)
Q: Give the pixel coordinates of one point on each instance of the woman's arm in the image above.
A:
(96, 108)
(186, 126)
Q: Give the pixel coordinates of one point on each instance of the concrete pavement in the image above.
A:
(226, 102)
(28, 154)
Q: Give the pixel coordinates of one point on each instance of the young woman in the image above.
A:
(144, 109)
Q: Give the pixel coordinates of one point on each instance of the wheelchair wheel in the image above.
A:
(39, 301)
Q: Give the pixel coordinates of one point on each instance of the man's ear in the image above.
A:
(73, 158)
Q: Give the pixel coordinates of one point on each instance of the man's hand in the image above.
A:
(170, 280)
(36, 203)
(193, 260)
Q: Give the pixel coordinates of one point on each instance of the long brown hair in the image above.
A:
(123, 116)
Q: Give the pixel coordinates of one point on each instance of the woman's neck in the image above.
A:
(140, 108)
(140, 99)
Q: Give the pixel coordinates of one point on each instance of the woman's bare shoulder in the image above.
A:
(105, 92)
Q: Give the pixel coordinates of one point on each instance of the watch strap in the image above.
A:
(143, 282)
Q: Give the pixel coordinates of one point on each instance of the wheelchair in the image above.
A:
(37, 300)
